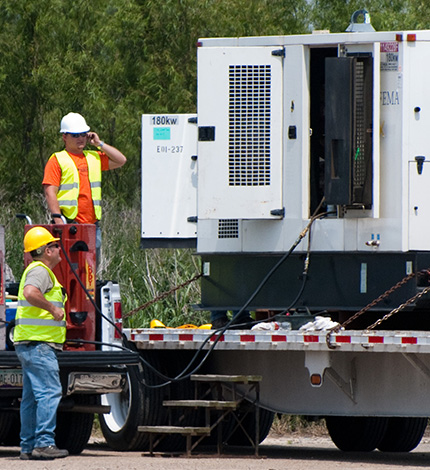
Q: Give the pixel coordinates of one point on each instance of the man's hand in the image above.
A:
(116, 158)
(36, 298)
(57, 313)
(93, 139)
(53, 204)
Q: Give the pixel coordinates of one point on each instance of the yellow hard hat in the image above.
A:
(37, 237)
(157, 324)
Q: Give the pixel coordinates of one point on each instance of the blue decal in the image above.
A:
(161, 133)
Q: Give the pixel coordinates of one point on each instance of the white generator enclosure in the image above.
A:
(287, 121)
(324, 126)
(169, 180)
(328, 128)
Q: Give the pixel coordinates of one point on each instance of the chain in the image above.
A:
(372, 304)
(399, 308)
(162, 296)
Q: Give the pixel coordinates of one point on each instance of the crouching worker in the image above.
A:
(40, 331)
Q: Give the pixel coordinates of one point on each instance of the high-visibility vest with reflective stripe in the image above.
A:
(36, 324)
(68, 190)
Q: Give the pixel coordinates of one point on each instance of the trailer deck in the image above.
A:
(281, 340)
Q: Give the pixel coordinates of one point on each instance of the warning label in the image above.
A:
(389, 56)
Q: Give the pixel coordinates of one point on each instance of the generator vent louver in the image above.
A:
(249, 125)
(228, 228)
(359, 173)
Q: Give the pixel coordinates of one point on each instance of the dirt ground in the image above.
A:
(292, 452)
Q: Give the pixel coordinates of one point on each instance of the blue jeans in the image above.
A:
(41, 395)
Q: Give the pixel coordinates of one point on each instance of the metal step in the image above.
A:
(184, 430)
(224, 408)
(239, 379)
(212, 404)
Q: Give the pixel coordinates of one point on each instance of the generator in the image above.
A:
(328, 128)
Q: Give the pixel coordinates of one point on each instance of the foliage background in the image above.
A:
(113, 60)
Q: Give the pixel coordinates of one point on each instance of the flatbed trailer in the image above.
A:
(371, 387)
(364, 373)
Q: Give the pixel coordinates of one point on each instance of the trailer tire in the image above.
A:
(6, 423)
(136, 406)
(403, 434)
(239, 438)
(74, 429)
(356, 433)
(13, 434)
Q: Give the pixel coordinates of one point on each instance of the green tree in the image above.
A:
(111, 60)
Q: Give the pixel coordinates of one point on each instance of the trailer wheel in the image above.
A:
(356, 433)
(12, 437)
(74, 429)
(239, 438)
(403, 434)
(135, 406)
(6, 423)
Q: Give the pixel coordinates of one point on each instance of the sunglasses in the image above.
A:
(53, 245)
(79, 134)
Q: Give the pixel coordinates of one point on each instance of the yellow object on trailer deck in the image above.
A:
(158, 324)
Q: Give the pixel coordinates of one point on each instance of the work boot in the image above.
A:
(49, 453)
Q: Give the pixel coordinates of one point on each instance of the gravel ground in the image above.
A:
(292, 452)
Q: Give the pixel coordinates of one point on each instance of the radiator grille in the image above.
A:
(249, 125)
(228, 228)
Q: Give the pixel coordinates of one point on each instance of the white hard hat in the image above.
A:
(74, 123)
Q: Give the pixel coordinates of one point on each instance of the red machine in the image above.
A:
(78, 242)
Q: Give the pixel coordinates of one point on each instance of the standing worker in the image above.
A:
(40, 331)
(72, 179)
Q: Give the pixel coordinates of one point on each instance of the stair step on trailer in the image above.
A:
(212, 404)
(185, 430)
(188, 431)
(239, 379)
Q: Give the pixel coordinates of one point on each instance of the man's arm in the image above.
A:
(116, 158)
(35, 297)
(52, 201)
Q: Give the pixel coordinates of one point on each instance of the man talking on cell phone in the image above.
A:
(72, 179)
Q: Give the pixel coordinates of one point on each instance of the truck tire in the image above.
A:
(239, 438)
(9, 335)
(12, 438)
(6, 423)
(356, 433)
(74, 429)
(136, 406)
(403, 434)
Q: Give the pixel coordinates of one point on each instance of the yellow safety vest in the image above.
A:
(68, 191)
(36, 324)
